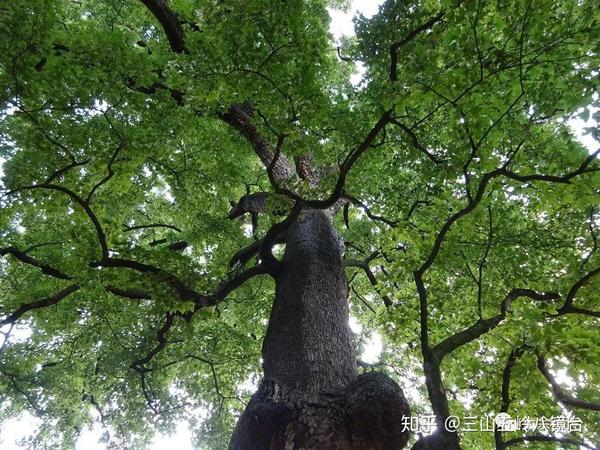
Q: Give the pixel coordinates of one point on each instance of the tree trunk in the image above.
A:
(310, 396)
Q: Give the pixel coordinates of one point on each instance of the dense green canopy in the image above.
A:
(472, 223)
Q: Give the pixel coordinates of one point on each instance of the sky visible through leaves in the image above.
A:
(13, 430)
(341, 25)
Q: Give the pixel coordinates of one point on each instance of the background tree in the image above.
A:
(448, 189)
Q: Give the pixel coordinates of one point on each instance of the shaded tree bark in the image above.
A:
(311, 396)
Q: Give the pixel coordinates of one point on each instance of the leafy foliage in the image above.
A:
(465, 184)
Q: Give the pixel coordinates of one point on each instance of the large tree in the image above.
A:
(195, 199)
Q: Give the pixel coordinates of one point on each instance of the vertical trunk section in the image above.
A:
(310, 397)
(308, 345)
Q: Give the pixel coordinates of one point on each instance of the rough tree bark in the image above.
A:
(311, 396)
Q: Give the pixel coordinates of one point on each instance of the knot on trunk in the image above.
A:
(367, 414)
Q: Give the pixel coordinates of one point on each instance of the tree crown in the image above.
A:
(469, 210)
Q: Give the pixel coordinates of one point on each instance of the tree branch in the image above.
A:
(544, 438)
(584, 311)
(415, 141)
(24, 257)
(220, 294)
(304, 170)
(42, 303)
(356, 202)
(515, 354)
(593, 236)
(265, 250)
(240, 118)
(228, 286)
(482, 326)
(63, 170)
(130, 293)
(245, 254)
(431, 359)
(139, 364)
(250, 203)
(568, 305)
(279, 168)
(345, 168)
(80, 201)
(583, 168)
(364, 265)
(559, 394)
(184, 292)
(486, 178)
(151, 225)
(409, 37)
(170, 23)
(108, 176)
